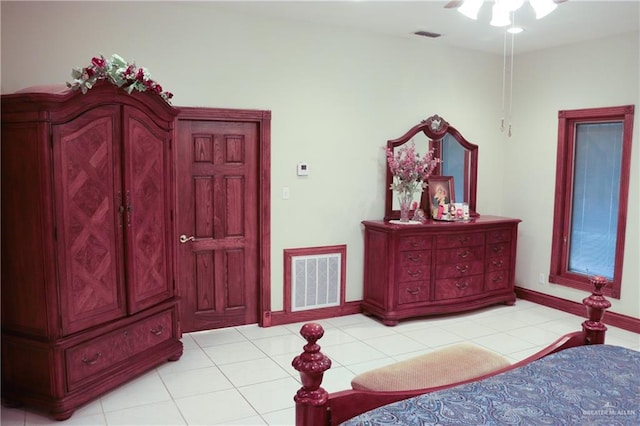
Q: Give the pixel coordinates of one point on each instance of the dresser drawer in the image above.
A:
(499, 236)
(454, 288)
(415, 242)
(460, 269)
(497, 280)
(460, 240)
(88, 360)
(497, 263)
(413, 292)
(416, 257)
(498, 249)
(461, 254)
(414, 272)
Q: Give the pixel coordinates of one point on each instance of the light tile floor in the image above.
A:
(243, 375)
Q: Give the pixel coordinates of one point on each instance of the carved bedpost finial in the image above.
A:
(311, 364)
(596, 305)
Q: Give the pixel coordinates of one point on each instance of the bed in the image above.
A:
(576, 380)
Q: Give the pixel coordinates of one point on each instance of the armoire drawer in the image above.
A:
(88, 360)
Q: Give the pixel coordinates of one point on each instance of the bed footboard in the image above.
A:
(316, 407)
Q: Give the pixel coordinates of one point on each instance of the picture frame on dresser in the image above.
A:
(441, 195)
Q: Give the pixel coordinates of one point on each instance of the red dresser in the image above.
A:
(438, 267)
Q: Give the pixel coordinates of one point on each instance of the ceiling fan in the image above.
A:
(502, 8)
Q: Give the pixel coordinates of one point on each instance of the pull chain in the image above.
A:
(504, 78)
(513, 20)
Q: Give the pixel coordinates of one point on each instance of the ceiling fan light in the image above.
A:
(470, 8)
(499, 16)
(543, 7)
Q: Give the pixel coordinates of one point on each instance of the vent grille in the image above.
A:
(315, 281)
(427, 34)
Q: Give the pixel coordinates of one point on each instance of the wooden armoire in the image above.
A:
(88, 292)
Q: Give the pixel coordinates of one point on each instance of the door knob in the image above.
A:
(184, 238)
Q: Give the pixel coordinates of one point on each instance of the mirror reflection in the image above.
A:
(422, 144)
(454, 157)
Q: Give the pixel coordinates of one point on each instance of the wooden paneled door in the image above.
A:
(218, 221)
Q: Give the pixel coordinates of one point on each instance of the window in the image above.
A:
(592, 186)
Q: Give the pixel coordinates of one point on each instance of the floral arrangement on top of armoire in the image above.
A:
(119, 72)
(410, 173)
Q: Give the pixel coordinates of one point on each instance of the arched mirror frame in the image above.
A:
(435, 129)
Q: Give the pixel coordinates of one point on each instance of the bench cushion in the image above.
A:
(441, 367)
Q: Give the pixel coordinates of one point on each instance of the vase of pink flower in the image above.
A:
(410, 173)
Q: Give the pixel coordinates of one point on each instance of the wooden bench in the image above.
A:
(452, 364)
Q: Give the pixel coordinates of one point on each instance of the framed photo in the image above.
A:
(441, 196)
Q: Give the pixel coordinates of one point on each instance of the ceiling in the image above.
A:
(572, 21)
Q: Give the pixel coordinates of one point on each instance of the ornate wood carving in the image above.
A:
(311, 364)
(596, 305)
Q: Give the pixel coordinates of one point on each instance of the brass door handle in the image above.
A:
(184, 238)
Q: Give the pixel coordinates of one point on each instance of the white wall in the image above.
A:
(336, 97)
(602, 73)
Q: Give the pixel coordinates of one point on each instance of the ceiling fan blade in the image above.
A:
(453, 4)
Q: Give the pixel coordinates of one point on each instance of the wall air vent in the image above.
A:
(427, 34)
(314, 277)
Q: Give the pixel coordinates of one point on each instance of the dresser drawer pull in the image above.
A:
(416, 273)
(158, 330)
(463, 240)
(464, 254)
(414, 258)
(413, 291)
(500, 237)
(93, 360)
(498, 249)
(462, 286)
(498, 263)
(462, 269)
(497, 279)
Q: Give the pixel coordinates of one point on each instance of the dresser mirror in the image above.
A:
(459, 159)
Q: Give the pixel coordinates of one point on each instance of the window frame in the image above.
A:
(567, 124)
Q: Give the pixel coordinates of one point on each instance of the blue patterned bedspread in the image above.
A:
(587, 385)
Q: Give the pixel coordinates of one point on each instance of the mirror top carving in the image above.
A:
(439, 133)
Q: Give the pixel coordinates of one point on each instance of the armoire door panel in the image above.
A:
(88, 223)
(217, 202)
(146, 205)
